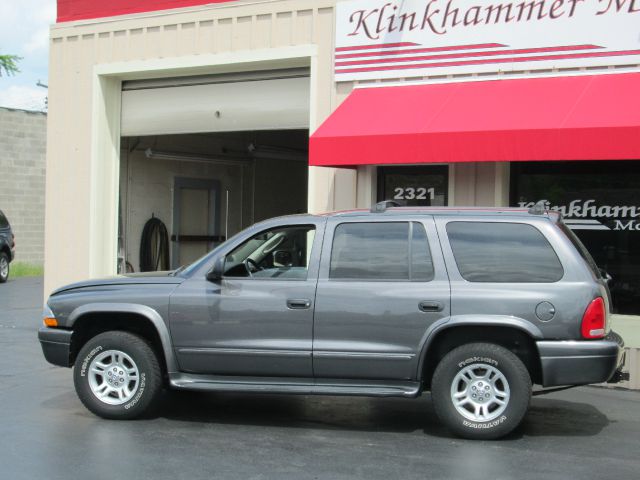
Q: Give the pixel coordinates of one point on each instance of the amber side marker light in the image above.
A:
(48, 318)
(51, 322)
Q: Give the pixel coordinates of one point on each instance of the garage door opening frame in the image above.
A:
(105, 135)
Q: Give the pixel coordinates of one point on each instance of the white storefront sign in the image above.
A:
(589, 215)
(378, 39)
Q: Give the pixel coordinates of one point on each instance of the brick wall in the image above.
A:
(23, 137)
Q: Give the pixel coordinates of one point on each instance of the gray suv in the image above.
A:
(7, 247)
(473, 305)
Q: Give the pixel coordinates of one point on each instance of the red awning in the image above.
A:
(594, 117)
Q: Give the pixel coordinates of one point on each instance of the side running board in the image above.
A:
(299, 386)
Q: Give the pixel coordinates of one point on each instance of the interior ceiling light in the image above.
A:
(277, 153)
(188, 157)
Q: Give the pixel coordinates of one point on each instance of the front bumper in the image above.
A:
(56, 345)
(580, 362)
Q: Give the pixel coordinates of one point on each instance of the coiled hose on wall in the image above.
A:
(154, 246)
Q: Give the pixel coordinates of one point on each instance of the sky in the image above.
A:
(24, 31)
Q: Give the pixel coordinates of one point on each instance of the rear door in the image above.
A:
(382, 284)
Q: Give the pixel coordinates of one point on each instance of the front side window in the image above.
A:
(503, 252)
(281, 253)
(381, 251)
(3, 221)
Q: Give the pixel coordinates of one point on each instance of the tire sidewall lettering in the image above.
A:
(471, 360)
(139, 394)
(87, 360)
(485, 425)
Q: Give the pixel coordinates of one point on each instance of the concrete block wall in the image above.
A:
(23, 139)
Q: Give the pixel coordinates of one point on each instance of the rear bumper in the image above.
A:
(580, 362)
(56, 345)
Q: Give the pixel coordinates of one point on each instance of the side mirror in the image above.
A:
(216, 273)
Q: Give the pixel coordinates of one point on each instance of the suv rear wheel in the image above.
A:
(117, 376)
(481, 391)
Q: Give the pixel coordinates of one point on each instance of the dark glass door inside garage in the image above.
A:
(600, 202)
(416, 186)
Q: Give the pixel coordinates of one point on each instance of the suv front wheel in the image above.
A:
(481, 391)
(4, 267)
(117, 376)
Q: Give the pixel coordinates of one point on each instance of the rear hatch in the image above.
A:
(601, 278)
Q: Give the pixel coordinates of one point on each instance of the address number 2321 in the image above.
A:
(410, 193)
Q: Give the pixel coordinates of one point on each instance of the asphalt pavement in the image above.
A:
(45, 432)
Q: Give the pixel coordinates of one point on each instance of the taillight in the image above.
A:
(594, 320)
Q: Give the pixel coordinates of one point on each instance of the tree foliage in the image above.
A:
(9, 64)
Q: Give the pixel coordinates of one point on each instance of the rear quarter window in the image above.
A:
(582, 250)
(503, 253)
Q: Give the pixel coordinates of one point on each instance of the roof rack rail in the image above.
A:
(540, 208)
(383, 205)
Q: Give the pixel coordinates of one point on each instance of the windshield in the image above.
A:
(187, 270)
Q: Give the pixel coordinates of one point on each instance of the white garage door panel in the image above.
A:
(254, 105)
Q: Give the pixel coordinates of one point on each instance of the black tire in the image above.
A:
(147, 390)
(4, 258)
(481, 354)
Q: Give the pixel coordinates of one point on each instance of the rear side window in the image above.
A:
(503, 252)
(381, 251)
(4, 223)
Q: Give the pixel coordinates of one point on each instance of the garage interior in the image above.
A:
(204, 157)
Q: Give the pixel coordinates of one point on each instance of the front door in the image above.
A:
(380, 289)
(258, 320)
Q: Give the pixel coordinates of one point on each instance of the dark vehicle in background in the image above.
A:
(472, 305)
(7, 247)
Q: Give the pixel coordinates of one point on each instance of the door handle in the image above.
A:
(430, 306)
(298, 304)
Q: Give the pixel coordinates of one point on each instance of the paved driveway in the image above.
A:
(45, 433)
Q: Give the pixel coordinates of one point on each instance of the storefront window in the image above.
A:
(415, 186)
(600, 202)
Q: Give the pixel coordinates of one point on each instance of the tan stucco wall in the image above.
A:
(73, 151)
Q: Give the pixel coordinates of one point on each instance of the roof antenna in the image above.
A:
(382, 206)
(540, 208)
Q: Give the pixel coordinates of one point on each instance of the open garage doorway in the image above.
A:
(205, 188)
(203, 157)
